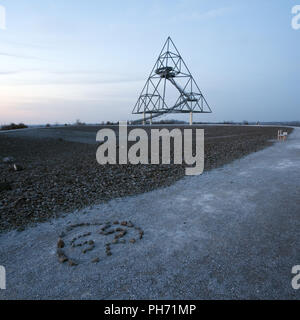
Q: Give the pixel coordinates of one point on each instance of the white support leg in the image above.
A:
(191, 118)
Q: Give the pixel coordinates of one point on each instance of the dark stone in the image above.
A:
(60, 243)
(62, 259)
(17, 167)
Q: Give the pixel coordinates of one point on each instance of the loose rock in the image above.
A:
(17, 167)
(62, 259)
(60, 243)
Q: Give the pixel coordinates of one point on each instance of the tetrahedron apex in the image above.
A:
(170, 87)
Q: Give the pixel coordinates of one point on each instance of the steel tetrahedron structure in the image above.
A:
(170, 88)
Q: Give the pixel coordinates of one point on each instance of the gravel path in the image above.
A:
(233, 232)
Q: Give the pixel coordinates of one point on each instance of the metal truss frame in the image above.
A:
(170, 66)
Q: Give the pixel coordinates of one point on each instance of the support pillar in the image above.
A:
(191, 118)
(150, 118)
(144, 116)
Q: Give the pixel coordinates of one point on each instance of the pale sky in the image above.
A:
(88, 60)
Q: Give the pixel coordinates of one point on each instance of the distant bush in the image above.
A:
(171, 121)
(14, 126)
(228, 122)
(79, 123)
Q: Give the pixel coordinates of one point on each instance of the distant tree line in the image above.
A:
(14, 126)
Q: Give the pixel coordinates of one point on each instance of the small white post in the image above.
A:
(191, 118)
(144, 116)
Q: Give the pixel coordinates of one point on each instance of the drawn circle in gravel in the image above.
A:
(92, 242)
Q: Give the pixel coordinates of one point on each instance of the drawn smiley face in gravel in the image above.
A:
(95, 241)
